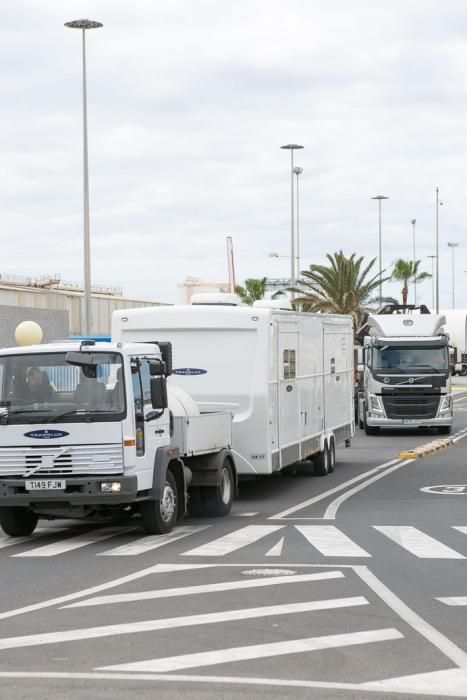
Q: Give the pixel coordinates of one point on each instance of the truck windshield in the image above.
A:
(410, 359)
(44, 388)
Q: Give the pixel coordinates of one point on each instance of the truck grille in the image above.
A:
(411, 406)
(78, 460)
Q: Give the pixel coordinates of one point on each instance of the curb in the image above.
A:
(428, 449)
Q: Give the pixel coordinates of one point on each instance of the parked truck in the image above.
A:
(405, 371)
(86, 431)
(456, 327)
(90, 429)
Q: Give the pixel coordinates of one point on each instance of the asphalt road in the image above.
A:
(349, 586)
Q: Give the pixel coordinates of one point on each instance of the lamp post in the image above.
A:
(414, 221)
(453, 246)
(438, 204)
(85, 24)
(433, 258)
(380, 197)
(298, 171)
(292, 147)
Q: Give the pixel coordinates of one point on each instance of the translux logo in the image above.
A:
(46, 434)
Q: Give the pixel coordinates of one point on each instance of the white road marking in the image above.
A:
(276, 551)
(207, 588)
(29, 539)
(146, 544)
(155, 569)
(233, 541)
(333, 507)
(442, 643)
(454, 600)
(71, 543)
(257, 651)
(460, 528)
(283, 514)
(43, 638)
(449, 683)
(417, 542)
(330, 541)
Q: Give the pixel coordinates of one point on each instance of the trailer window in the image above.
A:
(289, 364)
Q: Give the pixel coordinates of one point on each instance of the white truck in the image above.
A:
(86, 431)
(286, 377)
(456, 327)
(406, 373)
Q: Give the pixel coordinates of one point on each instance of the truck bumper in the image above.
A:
(78, 491)
(408, 422)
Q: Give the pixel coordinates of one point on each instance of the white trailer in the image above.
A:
(286, 377)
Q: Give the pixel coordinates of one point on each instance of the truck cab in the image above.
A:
(406, 380)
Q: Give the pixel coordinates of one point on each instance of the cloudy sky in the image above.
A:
(188, 104)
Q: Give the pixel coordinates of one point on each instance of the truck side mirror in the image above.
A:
(159, 399)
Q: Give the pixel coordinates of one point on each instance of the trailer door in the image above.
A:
(289, 395)
(338, 377)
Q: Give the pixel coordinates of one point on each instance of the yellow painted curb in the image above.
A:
(428, 449)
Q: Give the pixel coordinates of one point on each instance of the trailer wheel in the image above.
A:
(463, 372)
(160, 516)
(321, 462)
(195, 502)
(332, 456)
(17, 521)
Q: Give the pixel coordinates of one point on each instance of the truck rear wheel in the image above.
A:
(332, 456)
(214, 501)
(159, 517)
(17, 521)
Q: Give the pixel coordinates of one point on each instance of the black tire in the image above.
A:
(444, 429)
(17, 521)
(159, 517)
(321, 462)
(216, 501)
(463, 372)
(332, 456)
(369, 429)
(361, 425)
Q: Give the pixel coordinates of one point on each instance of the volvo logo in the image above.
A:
(411, 380)
(46, 434)
(408, 322)
(386, 380)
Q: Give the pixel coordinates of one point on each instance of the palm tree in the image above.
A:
(406, 271)
(253, 290)
(345, 286)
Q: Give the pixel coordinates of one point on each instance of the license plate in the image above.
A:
(410, 421)
(45, 485)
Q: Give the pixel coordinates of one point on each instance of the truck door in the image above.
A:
(150, 435)
(289, 395)
(338, 378)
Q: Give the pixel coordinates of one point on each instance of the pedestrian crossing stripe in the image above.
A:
(326, 540)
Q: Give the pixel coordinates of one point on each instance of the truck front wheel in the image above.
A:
(159, 517)
(17, 521)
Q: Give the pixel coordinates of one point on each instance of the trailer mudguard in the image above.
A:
(206, 469)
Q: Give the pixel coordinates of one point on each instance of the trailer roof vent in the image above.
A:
(215, 299)
(281, 304)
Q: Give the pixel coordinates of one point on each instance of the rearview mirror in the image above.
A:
(159, 399)
(82, 359)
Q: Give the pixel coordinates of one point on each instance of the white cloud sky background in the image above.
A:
(188, 104)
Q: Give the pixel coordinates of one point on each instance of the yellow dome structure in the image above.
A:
(28, 333)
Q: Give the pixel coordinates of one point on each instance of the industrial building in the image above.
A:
(57, 306)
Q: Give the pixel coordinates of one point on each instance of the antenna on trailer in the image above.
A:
(231, 265)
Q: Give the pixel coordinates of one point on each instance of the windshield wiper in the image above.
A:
(79, 412)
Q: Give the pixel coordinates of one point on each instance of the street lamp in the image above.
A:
(84, 24)
(453, 246)
(414, 221)
(292, 147)
(438, 204)
(298, 171)
(433, 258)
(380, 197)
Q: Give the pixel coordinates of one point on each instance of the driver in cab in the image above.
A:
(38, 387)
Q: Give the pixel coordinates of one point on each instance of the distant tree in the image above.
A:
(406, 271)
(253, 290)
(345, 286)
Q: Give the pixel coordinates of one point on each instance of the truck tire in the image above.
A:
(216, 501)
(444, 429)
(369, 429)
(17, 521)
(463, 372)
(321, 462)
(159, 517)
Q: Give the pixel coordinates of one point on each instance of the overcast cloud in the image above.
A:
(188, 104)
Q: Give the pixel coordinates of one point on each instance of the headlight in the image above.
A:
(445, 404)
(375, 404)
